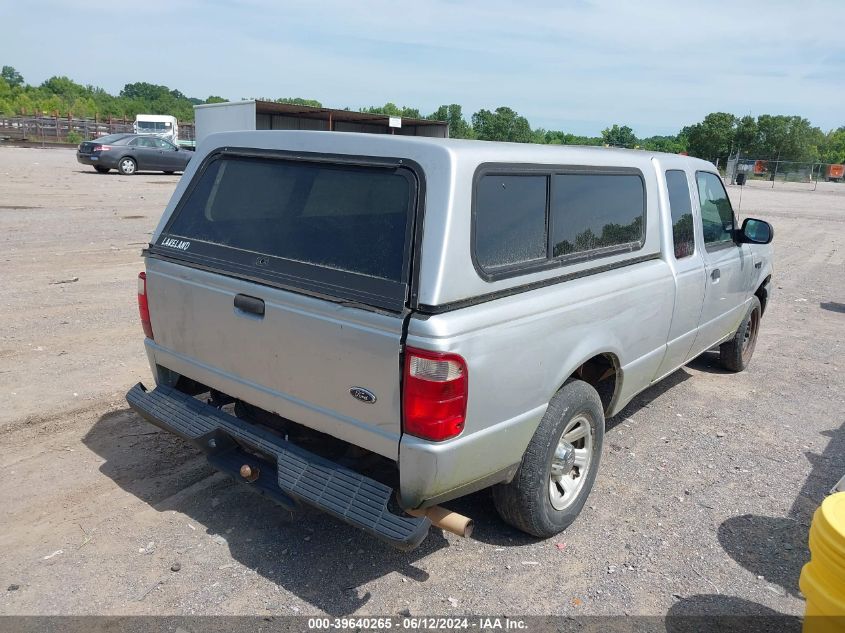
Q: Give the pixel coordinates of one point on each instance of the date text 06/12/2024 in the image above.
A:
(418, 623)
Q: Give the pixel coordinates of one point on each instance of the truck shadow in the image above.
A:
(142, 173)
(708, 362)
(643, 400)
(713, 613)
(490, 529)
(315, 557)
(833, 306)
(776, 547)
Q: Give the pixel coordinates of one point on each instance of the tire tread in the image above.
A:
(522, 502)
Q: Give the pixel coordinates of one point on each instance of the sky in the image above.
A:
(576, 66)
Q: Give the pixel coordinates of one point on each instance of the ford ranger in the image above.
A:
(375, 325)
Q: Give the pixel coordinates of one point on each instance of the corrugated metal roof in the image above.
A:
(310, 112)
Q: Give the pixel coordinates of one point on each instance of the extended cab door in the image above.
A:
(686, 257)
(726, 264)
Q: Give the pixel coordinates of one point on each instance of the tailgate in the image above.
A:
(323, 250)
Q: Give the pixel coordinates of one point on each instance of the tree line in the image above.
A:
(719, 135)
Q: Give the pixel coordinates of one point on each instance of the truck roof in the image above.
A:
(155, 117)
(461, 150)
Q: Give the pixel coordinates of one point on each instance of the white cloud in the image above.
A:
(655, 66)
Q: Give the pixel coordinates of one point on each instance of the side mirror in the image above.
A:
(756, 231)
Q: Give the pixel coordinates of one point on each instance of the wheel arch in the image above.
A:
(601, 369)
(762, 293)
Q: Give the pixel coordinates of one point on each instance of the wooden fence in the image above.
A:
(56, 129)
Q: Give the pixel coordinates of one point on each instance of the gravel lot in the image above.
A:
(707, 486)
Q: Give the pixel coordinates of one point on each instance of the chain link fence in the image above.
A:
(769, 173)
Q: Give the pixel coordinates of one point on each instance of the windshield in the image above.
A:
(153, 126)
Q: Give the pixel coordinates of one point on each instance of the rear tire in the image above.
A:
(559, 466)
(735, 354)
(127, 166)
(102, 170)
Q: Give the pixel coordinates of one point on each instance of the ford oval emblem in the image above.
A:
(364, 395)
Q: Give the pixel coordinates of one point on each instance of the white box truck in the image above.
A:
(162, 125)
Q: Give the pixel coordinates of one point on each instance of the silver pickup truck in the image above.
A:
(375, 325)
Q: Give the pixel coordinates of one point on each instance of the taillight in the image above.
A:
(434, 394)
(101, 148)
(143, 306)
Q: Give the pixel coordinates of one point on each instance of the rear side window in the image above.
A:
(510, 220)
(532, 221)
(681, 209)
(592, 212)
(340, 229)
(142, 141)
(717, 216)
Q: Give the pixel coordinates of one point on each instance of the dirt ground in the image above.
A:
(703, 503)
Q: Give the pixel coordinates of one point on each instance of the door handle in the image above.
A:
(715, 274)
(758, 264)
(253, 305)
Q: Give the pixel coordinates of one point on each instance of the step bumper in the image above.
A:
(288, 474)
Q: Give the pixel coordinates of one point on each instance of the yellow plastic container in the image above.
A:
(823, 578)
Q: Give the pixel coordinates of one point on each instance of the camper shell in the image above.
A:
(519, 276)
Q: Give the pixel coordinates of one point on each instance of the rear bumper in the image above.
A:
(87, 159)
(430, 473)
(97, 160)
(287, 473)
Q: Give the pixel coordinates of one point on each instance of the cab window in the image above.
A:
(681, 210)
(717, 216)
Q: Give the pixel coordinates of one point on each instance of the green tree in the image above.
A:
(453, 115)
(215, 99)
(63, 87)
(713, 138)
(504, 124)
(746, 136)
(538, 135)
(668, 144)
(619, 136)
(788, 138)
(288, 100)
(145, 91)
(391, 109)
(832, 149)
(11, 77)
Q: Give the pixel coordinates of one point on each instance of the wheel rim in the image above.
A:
(749, 337)
(127, 166)
(571, 462)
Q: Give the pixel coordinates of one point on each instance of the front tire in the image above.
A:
(559, 466)
(127, 166)
(102, 170)
(735, 354)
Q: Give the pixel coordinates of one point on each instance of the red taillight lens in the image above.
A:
(434, 394)
(143, 306)
(101, 148)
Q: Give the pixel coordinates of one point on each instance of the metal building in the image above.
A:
(269, 115)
